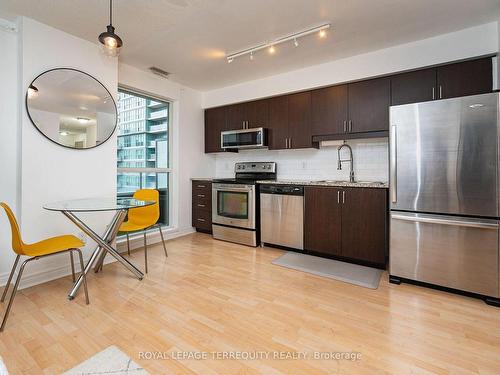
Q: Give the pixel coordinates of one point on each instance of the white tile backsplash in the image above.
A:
(371, 161)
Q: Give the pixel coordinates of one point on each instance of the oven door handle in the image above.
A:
(235, 189)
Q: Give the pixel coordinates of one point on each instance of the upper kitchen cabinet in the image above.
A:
(248, 115)
(299, 120)
(290, 122)
(465, 78)
(215, 123)
(356, 110)
(369, 103)
(278, 123)
(413, 87)
(329, 110)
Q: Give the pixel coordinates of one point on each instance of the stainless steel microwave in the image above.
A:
(244, 138)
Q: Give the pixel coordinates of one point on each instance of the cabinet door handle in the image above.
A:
(201, 186)
(345, 126)
(201, 205)
(433, 93)
(201, 195)
(349, 128)
(338, 196)
(440, 92)
(343, 196)
(202, 220)
(289, 142)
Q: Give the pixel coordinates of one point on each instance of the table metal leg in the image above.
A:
(109, 238)
(102, 246)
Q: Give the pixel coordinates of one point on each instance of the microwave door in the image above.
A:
(245, 138)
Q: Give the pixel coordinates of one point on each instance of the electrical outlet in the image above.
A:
(304, 164)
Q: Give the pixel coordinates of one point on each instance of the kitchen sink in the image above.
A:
(347, 182)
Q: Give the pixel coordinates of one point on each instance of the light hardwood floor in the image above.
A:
(215, 296)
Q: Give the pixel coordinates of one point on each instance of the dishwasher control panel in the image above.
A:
(282, 189)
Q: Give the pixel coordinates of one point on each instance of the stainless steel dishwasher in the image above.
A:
(282, 215)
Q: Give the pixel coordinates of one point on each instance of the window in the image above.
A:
(143, 158)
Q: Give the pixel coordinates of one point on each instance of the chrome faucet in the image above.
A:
(351, 160)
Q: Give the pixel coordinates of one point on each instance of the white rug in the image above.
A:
(110, 361)
(350, 273)
(3, 369)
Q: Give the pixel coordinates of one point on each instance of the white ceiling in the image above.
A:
(190, 38)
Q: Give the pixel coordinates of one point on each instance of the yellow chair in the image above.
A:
(144, 218)
(50, 246)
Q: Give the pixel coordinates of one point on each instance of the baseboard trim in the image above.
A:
(43, 276)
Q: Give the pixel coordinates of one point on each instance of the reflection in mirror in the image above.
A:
(71, 108)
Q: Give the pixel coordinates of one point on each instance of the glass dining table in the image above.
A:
(120, 206)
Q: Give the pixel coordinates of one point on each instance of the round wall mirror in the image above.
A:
(71, 108)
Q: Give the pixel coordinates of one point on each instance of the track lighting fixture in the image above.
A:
(271, 46)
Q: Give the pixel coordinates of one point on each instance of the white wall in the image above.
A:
(49, 172)
(36, 171)
(9, 143)
(476, 41)
(188, 140)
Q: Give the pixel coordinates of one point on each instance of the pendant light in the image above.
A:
(111, 42)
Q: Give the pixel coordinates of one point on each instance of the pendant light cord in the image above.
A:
(111, 12)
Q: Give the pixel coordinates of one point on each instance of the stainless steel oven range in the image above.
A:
(235, 206)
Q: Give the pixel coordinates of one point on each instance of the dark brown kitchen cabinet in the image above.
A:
(322, 220)
(215, 123)
(299, 120)
(364, 228)
(290, 122)
(369, 103)
(278, 123)
(413, 87)
(465, 78)
(350, 223)
(202, 205)
(329, 110)
(346, 111)
(248, 115)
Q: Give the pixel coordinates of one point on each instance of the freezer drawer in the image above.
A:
(282, 220)
(459, 253)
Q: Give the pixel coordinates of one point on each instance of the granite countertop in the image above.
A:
(361, 184)
(201, 178)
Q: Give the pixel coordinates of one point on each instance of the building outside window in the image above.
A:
(143, 158)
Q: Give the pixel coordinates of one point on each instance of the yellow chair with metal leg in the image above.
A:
(144, 218)
(50, 246)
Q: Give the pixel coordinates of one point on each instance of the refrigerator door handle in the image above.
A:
(459, 223)
(393, 165)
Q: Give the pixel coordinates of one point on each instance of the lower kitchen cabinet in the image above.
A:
(346, 222)
(364, 224)
(322, 218)
(202, 205)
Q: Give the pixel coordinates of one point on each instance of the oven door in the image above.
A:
(233, 205)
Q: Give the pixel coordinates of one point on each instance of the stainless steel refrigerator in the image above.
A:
(445, 193)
